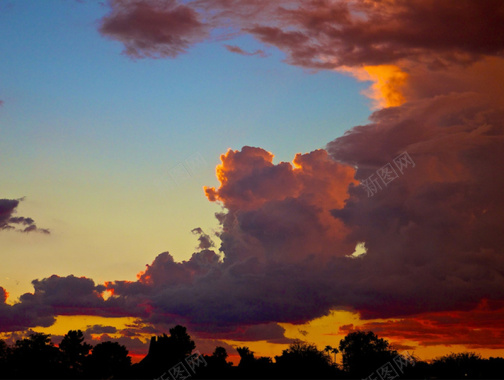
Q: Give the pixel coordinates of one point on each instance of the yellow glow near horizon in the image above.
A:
(65, 323)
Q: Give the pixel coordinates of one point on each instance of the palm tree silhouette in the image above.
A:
(331, 350)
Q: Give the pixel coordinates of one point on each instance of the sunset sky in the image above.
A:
(203, 163)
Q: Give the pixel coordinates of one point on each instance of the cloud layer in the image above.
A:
(315, 33)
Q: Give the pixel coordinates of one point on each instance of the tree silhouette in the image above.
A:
(4, 357)
(304, 360)
(181, 344)
(466, 365)
(252, 367)
(331, 350)
(166, 351)
(220, 355)
(217, 366)
(246, 357)
(4, 349)
(73, 352)
(35, 357)
(108, 359)
(363, 353)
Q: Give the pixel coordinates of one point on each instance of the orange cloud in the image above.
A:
(388, 82)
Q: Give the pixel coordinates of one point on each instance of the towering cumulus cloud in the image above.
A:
(277, 232)
(433, 231)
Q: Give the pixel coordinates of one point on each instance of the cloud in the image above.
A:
(275, 236)
(23, 315)
(9, 222)
(100, 329)
(269, 332)
(68, 295)
(239, 50)
(389, 82)
(437, 243)
(319, 34)
(205, 241)
(7, 207)
(153, 29)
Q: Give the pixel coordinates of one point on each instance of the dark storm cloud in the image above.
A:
(433, 235)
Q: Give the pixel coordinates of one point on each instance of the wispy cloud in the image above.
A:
(239, 50)
(16, 223)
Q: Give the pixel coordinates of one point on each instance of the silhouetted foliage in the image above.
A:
(107, 360)
(217, 366)
(4, 349)
(220, 355)
(181, 344)
(465, 365)
(4, 356)
(246, 357)
(304, 360)
(34, 357)
(363, 352)
(166, 351)
(493, 368)
(331, 350)
(252, 367)
(73, 353)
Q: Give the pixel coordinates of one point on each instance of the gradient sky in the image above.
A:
(114, 116)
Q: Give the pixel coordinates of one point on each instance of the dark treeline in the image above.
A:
(173, 356)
